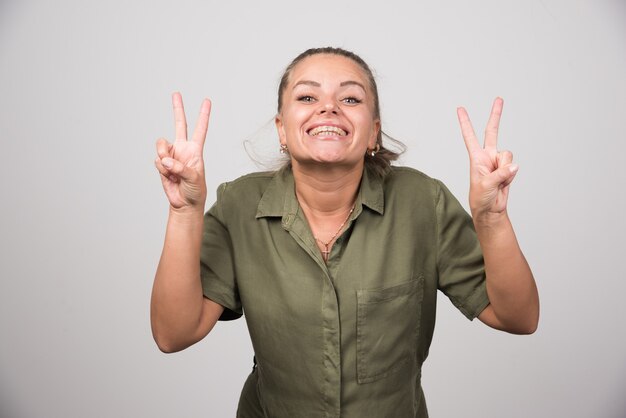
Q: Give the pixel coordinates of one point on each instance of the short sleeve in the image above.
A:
(216, 262)
(460, 262)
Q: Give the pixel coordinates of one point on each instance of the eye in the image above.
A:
(306, 99)
(351, 100)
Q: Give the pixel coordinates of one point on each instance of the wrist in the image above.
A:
(186, 214)
(490, 220)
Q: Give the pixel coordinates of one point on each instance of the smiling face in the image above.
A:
(327, 114)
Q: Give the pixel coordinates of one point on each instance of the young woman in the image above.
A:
(335, 259)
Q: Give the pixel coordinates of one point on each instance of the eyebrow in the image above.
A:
(342, 84)
(307, 83)
(352, 83)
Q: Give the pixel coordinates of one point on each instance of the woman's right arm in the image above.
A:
(179, 313)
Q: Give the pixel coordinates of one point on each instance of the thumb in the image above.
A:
(503, 176)
(179, 169)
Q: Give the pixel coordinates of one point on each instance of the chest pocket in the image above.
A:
(388, 322)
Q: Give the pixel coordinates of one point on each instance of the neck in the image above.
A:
(327, 191)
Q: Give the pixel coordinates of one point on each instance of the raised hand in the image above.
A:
(181, 164)
(491, 171)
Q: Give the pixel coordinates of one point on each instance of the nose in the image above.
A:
(328, 106)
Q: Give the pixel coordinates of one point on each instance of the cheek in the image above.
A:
(368, 128)
(293, 120)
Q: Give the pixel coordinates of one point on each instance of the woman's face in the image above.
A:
(327, 114)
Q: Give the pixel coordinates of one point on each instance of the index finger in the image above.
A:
(491, 132)
(180, 123)
(471, 143)
(199, 134)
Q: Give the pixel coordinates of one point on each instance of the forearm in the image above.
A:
(177, 299)
(510, 284)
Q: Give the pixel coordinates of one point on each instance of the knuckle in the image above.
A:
(162, 146)
(176, 168)
(505, 155)
(161, 170)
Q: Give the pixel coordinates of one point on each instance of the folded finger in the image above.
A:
(161, 169)
(504, 158)
(514, 169)
(168, 167)
(179, 170)
(163, 147)
(504, 176)
(180, 122)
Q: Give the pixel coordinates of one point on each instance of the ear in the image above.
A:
(280, 128)
(372, 143)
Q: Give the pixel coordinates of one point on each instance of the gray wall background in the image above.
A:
(85, 92)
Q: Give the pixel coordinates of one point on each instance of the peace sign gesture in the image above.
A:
(181, 164)
(491, 171)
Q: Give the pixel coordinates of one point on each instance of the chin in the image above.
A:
(336, 160)
(332, 152)
(329, 158)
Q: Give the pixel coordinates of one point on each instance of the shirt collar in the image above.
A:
(279, 198)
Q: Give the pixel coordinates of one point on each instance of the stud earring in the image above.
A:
(374, 151)
(283, 148)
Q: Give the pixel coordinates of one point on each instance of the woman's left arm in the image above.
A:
(514, 301)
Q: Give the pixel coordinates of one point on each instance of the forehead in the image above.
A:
(328, 68)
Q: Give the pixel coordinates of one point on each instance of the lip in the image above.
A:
(328, 123)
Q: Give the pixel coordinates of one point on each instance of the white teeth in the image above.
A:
(327, 130)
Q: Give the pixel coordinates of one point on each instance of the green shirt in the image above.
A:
(346, 338)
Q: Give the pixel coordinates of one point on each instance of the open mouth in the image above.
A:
(327, 130)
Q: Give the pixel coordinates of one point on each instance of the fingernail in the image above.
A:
(167, 163)
(513, 168)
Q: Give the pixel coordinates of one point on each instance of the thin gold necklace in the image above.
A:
(326, 251)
